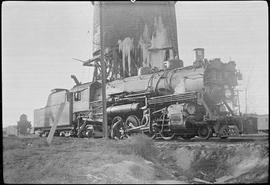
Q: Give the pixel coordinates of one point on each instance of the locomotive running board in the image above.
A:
(183, 97)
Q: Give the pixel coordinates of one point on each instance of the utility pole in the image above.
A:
(103, 71)
(246, 99)
(238, 103)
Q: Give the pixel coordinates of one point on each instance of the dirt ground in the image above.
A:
(135, 160)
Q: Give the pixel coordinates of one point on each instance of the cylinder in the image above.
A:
(127, 108)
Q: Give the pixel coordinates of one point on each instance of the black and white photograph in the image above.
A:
(135, 92)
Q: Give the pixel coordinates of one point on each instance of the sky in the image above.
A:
(39, 40)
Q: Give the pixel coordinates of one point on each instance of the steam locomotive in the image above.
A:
(177, 101)
(148, 89)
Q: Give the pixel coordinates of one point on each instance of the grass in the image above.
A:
(31, 160)
(139, 145)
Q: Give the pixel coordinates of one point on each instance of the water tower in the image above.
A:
(135, 35)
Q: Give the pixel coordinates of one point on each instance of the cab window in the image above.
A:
(77, 96)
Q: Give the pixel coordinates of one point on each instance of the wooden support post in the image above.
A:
(78, 125)
(50, 137)
(104, 76)
(81, 129)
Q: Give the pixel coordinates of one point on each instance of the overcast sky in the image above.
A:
(39, 40)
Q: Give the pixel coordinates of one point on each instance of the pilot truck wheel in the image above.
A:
(204, 132)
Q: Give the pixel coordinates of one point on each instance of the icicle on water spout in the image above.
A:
(126, 47)
(159, 40)
(160, 35)
(144, 44)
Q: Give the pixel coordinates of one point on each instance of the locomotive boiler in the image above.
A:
(148, 87)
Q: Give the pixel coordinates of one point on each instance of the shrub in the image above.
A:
(140, 145)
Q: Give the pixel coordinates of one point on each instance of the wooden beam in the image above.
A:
(56, 120)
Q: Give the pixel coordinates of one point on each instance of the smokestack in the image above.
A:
(199, 54)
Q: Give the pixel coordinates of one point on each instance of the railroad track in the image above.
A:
(234, 139)
(245, 138)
